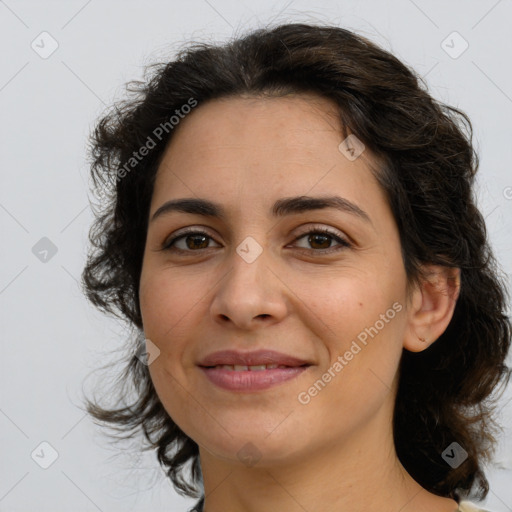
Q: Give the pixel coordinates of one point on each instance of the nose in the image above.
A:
(250, 295)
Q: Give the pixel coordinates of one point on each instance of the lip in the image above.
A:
(254, 358)
(251, 380)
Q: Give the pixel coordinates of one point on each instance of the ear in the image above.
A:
(431, 307)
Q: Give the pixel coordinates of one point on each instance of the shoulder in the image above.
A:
(468, 506)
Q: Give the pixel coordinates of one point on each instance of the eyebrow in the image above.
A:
(281, 208)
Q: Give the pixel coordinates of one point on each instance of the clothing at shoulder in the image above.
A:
(467, 506)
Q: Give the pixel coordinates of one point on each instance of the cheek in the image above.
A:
(167, 307)
(364, 321)
(165, 298)
(166, 304)
(363, 361)
(339, 308)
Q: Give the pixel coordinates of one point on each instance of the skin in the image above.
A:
(335, 452)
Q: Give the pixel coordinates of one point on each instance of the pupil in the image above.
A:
(314, 239)
(196, 245)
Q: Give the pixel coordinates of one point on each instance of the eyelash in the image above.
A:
(343, 244)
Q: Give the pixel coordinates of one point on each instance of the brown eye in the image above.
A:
(189, 241)
(197, 241)
(320, 241)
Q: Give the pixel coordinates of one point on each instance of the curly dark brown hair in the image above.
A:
(427, 169)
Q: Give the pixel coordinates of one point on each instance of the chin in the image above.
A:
(252, 441)
(252, 451)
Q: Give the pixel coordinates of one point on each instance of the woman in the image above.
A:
(292, 232)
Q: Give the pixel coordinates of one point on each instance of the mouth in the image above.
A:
(253, 359)
(251, 371)
(246, 379)
(252, 368)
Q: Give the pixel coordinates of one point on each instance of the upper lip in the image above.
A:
(254, 358)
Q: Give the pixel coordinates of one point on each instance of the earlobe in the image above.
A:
(432, 306)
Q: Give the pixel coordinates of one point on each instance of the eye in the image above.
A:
(320, 240)
(188, 241)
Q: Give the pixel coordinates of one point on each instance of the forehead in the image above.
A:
(278, 123)
(264, 147)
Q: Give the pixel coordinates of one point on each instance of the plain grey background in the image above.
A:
(51, 337)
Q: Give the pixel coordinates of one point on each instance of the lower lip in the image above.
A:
(248, 380)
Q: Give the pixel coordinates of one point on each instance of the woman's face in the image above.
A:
(255, 280)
